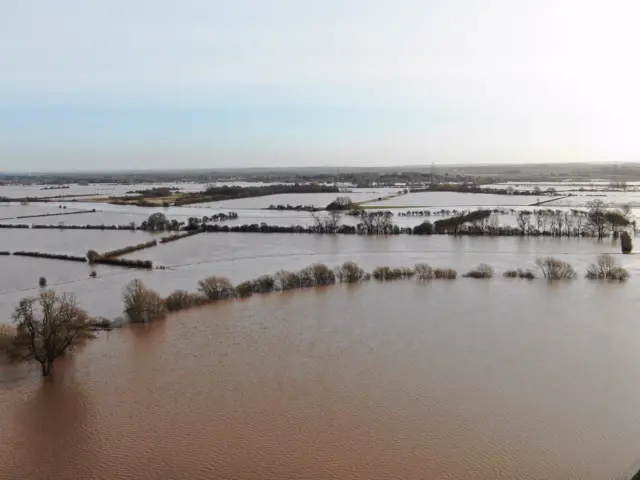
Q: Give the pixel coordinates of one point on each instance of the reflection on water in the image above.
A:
(459, 380)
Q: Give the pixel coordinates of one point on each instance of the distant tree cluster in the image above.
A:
(596, 222)
(295, 208)
(340, 204)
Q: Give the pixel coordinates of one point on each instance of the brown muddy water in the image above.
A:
(449, 380)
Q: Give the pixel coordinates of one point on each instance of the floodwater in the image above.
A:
(402, 380)
(455, 199)
(316, 199)
(71, 242)
(244, 256)
(102, 189)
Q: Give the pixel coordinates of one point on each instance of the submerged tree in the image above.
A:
(554, 269)
(142, 305)
(327, 223)
(156, 222)
(597, 218)
(47, 326)
(606, 268)
(217, 288)
(340, 203)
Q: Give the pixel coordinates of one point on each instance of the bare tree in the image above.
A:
(597, 217)
(216, 288)
(350, 272)
(47, 326)
(546, 218)
(559, 216)
(493, 224)
(568, 222)
(523, 218)
(554, 269)
(141, 304)
(328, 224)
(377, 222)
(606, 268)
(538, 217)
(578, 218)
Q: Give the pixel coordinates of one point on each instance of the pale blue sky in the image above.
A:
(205, 83)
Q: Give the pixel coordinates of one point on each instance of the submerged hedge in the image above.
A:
(123, 262)
(125, 250)
(178, 236)
(53, 256)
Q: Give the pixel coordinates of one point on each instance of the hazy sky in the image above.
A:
(206, 83)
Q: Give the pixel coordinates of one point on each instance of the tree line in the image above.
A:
(214, 193)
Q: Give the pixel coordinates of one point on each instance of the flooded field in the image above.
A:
(72, 242)
(525, 381)
(465, 379)
(243, 256)
(320, 200)
(453, 199)
(20, 277)
(99, 190)
(12, 211)
(613, 199)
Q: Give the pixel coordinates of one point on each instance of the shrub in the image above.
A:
(382, 273)
(306, 278)
(554, 269)
(404, 272)
(445, 273)
(263, 284)
(528, 274)
(350, 272)
(322, 275)
(388, 273)
(244, 290)
(42, 282)
(217, 288)
(142, 305)
(618, 273)
(423, 271)
(605, 268)
(287, 280)
(625, 242)
(180, 299)
(481, 271)
(519, 273)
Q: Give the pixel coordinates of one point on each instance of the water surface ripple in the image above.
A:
(449, 380)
